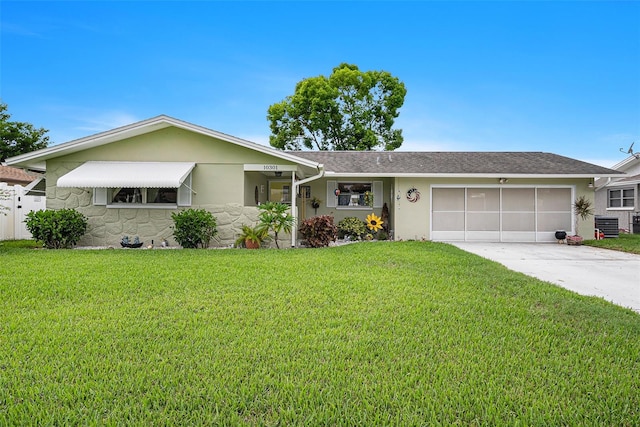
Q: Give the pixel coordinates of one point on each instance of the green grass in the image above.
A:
(388, 333)
(17, 244)
(625, 243)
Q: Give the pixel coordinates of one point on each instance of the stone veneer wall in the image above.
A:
(106, 226)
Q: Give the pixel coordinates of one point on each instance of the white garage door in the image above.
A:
(512, 214)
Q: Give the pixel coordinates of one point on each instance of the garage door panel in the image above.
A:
(448, 199)
(519, 199)
(518, 236)
(520, 221)
(483, 236)
(483, 221)
(512, 214)
(554, 199)
(448, 221)
(483, 199)
(552, 221)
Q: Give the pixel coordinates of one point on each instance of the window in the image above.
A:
(622, 198)
(351, 194)
(280, 191)
(143, 195)
(132, 197)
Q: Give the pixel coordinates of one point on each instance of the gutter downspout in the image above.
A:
(294, 197)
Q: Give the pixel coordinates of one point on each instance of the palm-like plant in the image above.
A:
(582, 207)
(251, 237)
(275, 217)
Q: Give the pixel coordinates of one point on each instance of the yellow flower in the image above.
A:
(374, 222)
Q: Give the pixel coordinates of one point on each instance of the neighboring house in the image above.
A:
(128, 181)
(13, 176)
(617, 197)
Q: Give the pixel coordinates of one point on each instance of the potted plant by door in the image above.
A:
(582, 208)
(252, 237)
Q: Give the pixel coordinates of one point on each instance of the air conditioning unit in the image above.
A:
(608, 225)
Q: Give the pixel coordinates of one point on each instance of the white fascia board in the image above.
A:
(622, 183)
(461, 175)
(625, 163)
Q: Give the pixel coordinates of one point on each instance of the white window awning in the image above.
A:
(94, 174)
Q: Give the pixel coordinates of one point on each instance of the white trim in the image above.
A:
(142, 206)
(496, 175)
(100, 196)
(630, 184)
(332, 199)
(625, 162)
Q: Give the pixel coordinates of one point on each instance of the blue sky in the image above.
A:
(561, 77)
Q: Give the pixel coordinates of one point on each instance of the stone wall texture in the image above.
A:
(107, 226)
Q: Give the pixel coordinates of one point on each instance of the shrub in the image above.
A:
(56, 229)
(351, 226)
(319, 231)
(193, 228)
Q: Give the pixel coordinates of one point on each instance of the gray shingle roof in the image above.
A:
(499, 163)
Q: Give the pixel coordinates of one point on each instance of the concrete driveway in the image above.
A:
(612, 275)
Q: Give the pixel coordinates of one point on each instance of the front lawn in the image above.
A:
(624, 243)
(387, 333)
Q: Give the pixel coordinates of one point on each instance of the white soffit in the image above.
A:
(127, 174)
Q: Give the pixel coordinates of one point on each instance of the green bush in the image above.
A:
(319, 231)
(351, 226)
(193, 228)
(56, 229)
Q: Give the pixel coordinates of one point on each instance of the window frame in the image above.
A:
(104, 197)
(621, 198)
(333, 200)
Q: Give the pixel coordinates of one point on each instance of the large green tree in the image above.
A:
(349, 110)
(19, 137)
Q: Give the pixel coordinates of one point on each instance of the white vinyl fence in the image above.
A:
(12, 226)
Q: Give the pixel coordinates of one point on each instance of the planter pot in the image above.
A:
(131, 245)
(561, 235)
(574, 240)
(250, 244)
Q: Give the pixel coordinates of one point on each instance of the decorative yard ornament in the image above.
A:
(374, 223)
(413, 195)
